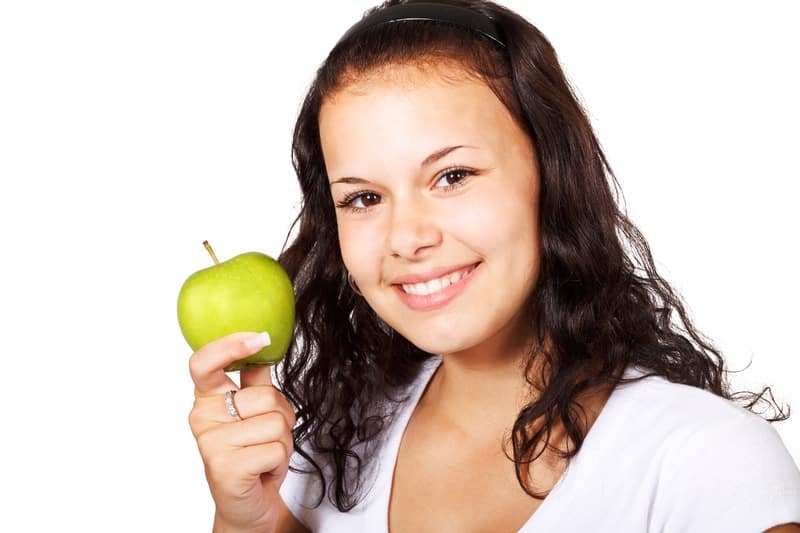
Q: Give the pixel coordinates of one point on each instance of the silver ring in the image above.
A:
(229, 404)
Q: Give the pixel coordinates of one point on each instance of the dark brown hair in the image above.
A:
(599, 303)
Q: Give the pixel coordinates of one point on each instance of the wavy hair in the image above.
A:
(598, 305)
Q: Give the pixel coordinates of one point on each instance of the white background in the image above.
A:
(132, 131)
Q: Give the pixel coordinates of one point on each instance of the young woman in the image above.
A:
(483, 342)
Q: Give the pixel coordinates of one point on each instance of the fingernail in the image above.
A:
(256, 342)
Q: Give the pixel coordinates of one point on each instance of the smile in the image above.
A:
(436, 285)
(436, 292)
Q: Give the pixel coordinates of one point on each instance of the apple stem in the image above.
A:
(211, 251)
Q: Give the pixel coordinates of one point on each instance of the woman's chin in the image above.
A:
(439, 344)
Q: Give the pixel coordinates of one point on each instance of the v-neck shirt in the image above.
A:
(660, 456)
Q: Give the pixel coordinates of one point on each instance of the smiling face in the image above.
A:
(411, 213)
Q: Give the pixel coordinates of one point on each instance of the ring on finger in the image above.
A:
(230, 405)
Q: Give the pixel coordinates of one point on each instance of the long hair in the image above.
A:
(599, 303)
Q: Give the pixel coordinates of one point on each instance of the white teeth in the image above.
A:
(435, 285)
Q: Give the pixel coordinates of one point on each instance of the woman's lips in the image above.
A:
(426, 302)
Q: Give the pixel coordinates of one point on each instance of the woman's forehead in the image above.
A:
(415, 102)
(386, 117)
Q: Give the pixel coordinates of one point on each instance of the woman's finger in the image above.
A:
(264, 458)
(261, 429)
(258, 375)
(249, 402)
(207, 364)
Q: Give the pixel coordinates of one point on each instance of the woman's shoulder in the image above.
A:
(696, 455)
(696, 418)
(656, 417)
(656, 402)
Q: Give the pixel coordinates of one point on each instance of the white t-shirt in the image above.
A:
(660, 457)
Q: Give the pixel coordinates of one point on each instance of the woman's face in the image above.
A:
(412, 213)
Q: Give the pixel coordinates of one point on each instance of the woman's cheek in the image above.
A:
(360, 242)
(483, 218)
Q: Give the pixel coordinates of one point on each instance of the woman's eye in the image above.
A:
(454, 178)
(367, 199)
(459, 173)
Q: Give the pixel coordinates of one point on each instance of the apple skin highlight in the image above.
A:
(250, 292)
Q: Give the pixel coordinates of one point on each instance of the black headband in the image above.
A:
(446, 13)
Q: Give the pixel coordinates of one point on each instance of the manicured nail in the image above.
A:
(256, 342)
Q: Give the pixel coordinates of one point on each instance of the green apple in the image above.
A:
(251, 292)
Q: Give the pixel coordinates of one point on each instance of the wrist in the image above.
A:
(221, 526)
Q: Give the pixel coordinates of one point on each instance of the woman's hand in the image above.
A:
(245, 459)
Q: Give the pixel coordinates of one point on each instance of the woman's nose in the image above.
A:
(412, 229)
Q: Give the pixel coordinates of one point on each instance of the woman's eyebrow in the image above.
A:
(438, 154)
(431, 159)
